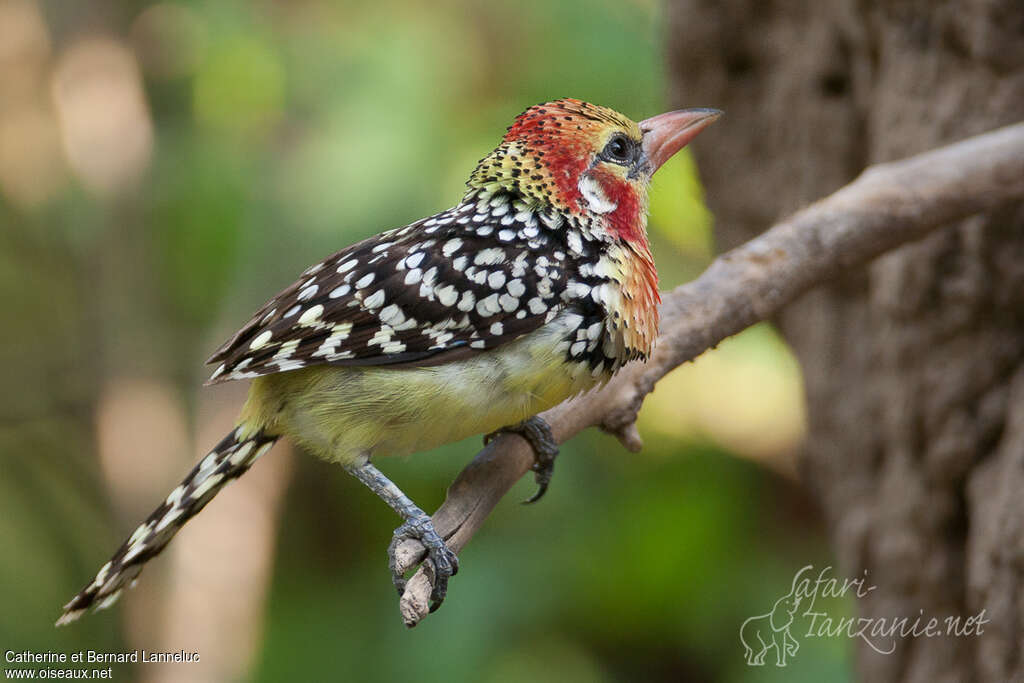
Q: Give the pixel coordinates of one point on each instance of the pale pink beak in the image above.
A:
(666, 134)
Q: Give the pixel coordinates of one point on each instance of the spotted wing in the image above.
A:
(465, 280)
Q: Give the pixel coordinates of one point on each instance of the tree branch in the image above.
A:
(887, 206)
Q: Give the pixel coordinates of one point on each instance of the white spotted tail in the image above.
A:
(231, 458)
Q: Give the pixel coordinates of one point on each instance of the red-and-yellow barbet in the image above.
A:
(537, 286)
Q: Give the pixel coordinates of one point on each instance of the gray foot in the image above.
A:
(441, 561)
(537, 432)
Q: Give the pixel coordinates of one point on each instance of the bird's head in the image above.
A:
(588, 161)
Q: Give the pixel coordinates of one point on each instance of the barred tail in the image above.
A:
(229, 460)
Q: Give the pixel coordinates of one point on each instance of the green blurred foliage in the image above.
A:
(284, 131)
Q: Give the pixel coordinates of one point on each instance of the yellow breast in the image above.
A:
(345, 413)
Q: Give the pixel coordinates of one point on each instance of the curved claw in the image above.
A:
(545, 449)
(397, 578)
(543, 478)
(441, 562)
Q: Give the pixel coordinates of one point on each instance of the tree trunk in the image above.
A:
(914, 367)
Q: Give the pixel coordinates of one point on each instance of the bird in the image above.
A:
(537, 286)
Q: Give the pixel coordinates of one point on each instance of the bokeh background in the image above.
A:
(165, 167)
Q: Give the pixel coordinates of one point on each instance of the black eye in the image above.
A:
(618, 149)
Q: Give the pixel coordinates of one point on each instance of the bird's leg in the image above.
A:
(417, 525)
(538, 434)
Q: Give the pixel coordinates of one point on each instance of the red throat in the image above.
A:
(627, 220)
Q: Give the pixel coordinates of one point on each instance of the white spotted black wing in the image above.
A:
(466, 280)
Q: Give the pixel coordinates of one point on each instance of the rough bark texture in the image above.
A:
(914, 366)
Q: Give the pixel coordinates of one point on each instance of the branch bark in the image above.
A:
(887, 206)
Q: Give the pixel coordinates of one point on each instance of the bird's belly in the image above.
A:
(345, 413)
